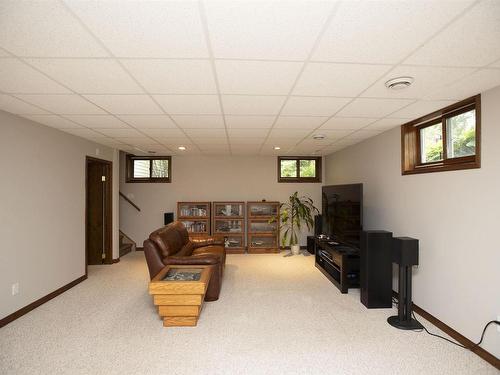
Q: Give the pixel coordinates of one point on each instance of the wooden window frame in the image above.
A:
(299, 179)
(411, 158)
(129, 165)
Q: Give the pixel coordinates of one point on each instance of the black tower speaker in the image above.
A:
(376, 269)
(318, 225)
(168, 217)
(404, 253)
(311, 244)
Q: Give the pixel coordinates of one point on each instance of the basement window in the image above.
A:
(148, 168)
(445, 140)
(299, 169)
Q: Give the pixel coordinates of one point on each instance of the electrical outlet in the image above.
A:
(15, 289)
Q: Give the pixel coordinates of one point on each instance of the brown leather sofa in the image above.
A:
(172, 245)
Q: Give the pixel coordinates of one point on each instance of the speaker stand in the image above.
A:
(404, 319)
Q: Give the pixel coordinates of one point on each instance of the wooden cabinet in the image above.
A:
(196, 217)
(262, 236)
(228, 225)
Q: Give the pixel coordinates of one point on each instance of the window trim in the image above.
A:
(299, 179)
(411, 160)
(129, 172)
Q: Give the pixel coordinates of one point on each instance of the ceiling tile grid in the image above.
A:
(241, 77)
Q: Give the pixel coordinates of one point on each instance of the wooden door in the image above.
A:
(98, 230)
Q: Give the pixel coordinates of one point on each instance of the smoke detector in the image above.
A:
(399, 83)
(319, 137)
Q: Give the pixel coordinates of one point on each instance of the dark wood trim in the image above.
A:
(116, 260)
(410, 140)
(299, 179)
(109, 209)
(129, 201)
(139, 248)
(129, 169)
(33, 305)
(457, 336)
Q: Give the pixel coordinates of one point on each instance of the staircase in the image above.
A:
(126, 244)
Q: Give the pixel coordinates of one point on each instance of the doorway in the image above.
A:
(98, 212)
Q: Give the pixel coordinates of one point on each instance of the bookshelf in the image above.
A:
(196, 217)
(228, 225)
(262, 236)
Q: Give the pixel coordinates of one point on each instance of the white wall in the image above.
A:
(199, 178)
(42, 209)
(455, 215)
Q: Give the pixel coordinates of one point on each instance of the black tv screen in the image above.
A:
(342, 213)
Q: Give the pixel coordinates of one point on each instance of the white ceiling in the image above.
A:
(240, 77)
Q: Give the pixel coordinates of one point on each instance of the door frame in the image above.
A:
(108, 209)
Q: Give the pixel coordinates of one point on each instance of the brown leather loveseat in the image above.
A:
(172, 245)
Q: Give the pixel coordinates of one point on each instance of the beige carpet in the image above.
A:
(275, 316)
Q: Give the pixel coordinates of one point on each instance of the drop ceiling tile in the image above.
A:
(268, 30)
(38, 28)
(173, 76)
(209, 133)
(126, 104)
(189, 104)
(421, 108)
(363, 134)
(289, 133)
(84, 133)
(89, 76)
(281, 142)
(145, 28)
(252, 105)
(120, 133)
(13, 105)
(199, 122)
(472, 40)
(18, 77)
(332, 134)
(262, 122)
(473, 84)
(365, 107)
(53, 121)
(347, 80)
(209, 141)
(148, 121)
(256, 77)
(427, 79)
(401, 25)
(137, 141)
(162, 133)
(387, 123)
(299, 122)
(246, 141)
(313, 106)
(347, 123)
(66, 104)
(262, 133)
(98, 121)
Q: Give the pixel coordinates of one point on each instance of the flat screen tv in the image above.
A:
(342, 213)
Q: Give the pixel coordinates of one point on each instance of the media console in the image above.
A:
(339, 263)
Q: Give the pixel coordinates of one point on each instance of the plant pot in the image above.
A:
(295, 249)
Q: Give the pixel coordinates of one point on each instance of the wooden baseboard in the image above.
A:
(116, 260)
(139, 248)
(26, 309)
(457, 336)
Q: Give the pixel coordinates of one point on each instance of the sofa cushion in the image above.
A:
(186, 250)
(212, 249)
(168, 240)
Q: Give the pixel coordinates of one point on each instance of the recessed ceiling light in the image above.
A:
(319, 136)
(182, 148)
(399, 83)
(277, 147)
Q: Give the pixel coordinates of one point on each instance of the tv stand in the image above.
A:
(339, 263)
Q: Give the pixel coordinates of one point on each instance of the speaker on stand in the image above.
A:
(405, 254)
(318, 225)
(168, 217)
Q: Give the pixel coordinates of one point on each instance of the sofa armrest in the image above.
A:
(191, 260)
(209, 241)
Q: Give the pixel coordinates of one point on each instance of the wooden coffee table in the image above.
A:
(179, 291)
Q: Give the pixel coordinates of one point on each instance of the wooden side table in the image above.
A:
(179, 291)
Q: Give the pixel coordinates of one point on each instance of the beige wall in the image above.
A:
(42, 209)
(455, 215)
(200, 178)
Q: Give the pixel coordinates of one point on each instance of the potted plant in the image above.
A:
(299, 210)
